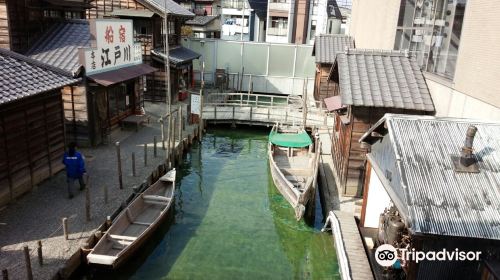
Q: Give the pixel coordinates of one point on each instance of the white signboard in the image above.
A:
(112, 47)
(195, 104)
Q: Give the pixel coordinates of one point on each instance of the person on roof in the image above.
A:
(75, 168)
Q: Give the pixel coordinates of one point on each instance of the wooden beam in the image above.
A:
(9, 175)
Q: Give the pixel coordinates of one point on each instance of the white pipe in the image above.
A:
(345, 272)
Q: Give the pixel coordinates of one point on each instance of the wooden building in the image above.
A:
(368, 84)
(112, 72)
(147, 16)
(434, 184)
(32, 138)
(326, 47)
(23, 22)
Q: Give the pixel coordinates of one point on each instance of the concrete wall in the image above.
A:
(478, 65)
(373, 23)
(377, 200)
(450, 102)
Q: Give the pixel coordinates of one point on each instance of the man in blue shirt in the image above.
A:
(75, 168)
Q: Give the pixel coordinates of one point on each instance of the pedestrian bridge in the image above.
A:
(263, 109)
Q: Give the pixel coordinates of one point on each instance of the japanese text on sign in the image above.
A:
(195, 104)
(114, 46)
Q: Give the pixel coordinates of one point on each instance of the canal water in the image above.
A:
(231, 222)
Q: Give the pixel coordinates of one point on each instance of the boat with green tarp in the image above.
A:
(293, 160)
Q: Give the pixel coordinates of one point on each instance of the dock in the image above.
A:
(345, 210)
(38, 215)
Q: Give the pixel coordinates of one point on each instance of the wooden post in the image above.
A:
(167, 147)
(172, 155)
(304, 105)
(119, 162)
(251, 113)
(145, 154)
(233, 113)
(106, 194)
(180, 125)
(65, 228)
(201, 125)
(162, 133)
(40, 255)
(27, 259)
(5, 274)
(87, 203)
(154, 147)
(249, 88)
(133, 164)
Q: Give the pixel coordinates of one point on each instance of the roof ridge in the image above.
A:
(35, 62)
(376, 52)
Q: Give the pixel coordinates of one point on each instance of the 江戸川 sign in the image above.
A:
(113, 46)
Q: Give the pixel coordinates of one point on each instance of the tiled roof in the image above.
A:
(327, 46)
(59, 46)
(387, 79)
(201, 20)
(177, 55)
(437, 199)
(172, 7)
(21, 76)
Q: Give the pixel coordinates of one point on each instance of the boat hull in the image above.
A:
(301, 199)
(134, 225)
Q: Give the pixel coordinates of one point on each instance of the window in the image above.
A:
(279, 26)
(313, 30)
(431, 30)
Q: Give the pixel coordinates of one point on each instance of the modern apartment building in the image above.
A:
(243, 20)
(453, 42)
(299, 21)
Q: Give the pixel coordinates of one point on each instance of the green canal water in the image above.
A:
(231, 222)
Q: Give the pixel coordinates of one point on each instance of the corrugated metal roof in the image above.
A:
(132, 13)
(172, 7)
(375, 78)
(122, 74)
(59, 46)
(200, 20)
(21, 76)
(327, 46)
(177, 55)
(441, 201)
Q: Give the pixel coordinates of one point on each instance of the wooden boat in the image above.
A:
(135, 224)
(294, 166)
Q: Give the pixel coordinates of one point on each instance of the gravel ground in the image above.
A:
(37, 215)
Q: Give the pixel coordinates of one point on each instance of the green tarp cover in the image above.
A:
(298, 140)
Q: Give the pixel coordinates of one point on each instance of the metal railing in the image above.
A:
(262, 108)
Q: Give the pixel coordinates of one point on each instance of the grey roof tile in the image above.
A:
(201, 20)
(327, 46)
(382, 79)
(59, 46)
(23, 77)
(436, 198)
(172, 7)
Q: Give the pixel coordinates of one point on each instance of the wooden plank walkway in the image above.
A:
(358, 260)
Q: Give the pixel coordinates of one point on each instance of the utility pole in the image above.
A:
(167, 61)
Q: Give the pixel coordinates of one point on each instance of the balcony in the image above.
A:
(234, 4)
(279, 6)
(277, 31)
